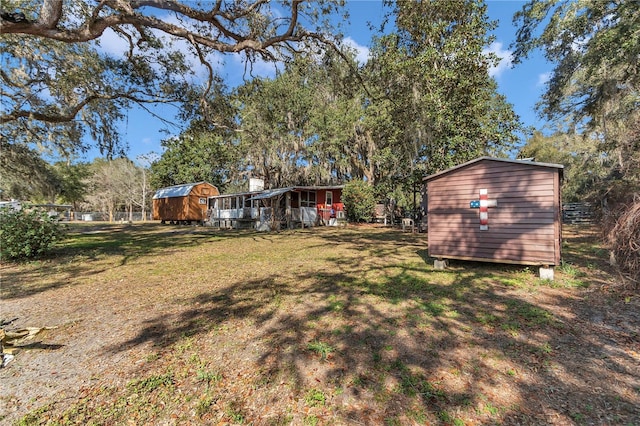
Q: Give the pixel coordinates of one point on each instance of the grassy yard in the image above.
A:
(183, 325)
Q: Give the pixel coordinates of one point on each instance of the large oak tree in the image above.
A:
(434, 75)
(58, 80)
(595, 89)
(595, 85)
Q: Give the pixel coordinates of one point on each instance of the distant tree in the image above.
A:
(130, 185)
(595, 46)
(193, 157)
(72, 178)
(546, 149)
(113, 184)
(301, 126)
(102, 193)
(359, 201)
(585, 164)
(273, 116)
(144, 162)
(345, 147)
(25, 175)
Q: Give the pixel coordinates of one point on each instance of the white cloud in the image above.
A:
(505, 56)
(362, 52)
(543, 79)
(239, 68)
(113, 44)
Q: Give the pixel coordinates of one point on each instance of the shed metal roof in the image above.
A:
(503, 160)
(175, 191)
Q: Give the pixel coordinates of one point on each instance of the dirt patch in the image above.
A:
(349, 326)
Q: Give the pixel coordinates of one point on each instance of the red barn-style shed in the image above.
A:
(496, 210)
(183, 203)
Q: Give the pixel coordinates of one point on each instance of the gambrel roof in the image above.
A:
(175, 191)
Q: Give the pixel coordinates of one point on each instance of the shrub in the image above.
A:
(359, 201)
(26, 234)
(622, 231)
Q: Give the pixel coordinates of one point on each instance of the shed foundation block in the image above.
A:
(546, 273)
(440, 264)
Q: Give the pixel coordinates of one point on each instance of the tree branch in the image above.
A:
(225, 27)
(72, 111)
(125, 13)
(50, 13)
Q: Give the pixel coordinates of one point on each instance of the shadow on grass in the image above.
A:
(411, 344)
(81, 252)
(39, 346)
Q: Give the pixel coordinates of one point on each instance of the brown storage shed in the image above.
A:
(496, 210)
(183, 203)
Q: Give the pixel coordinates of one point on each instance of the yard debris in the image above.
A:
(10, 339)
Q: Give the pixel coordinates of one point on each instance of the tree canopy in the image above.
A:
(59, 79)
(424, 101)
(594, 93)
(253, 27)
(436, 79)
(595, 47)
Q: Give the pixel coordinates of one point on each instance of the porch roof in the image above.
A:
(270, 193)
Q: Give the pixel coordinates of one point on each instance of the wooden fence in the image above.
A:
(577, 213)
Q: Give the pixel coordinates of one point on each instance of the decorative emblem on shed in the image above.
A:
(483, 204)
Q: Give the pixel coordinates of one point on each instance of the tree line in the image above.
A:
(102, 185)
(423, 101)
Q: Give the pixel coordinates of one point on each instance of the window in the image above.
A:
(202, 201)
(295, 200)
(329, 199)
(307, 199)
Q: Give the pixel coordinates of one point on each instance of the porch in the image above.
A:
(282, 208)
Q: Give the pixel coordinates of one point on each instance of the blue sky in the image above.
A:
(522, 84)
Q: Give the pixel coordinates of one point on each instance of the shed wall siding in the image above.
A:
(522, 228)
(185, 208)
(173, 208)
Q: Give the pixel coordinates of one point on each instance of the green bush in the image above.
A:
(359, 201)
(26, 234)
